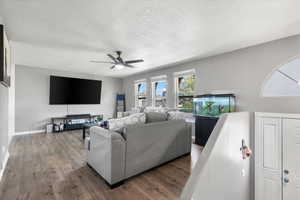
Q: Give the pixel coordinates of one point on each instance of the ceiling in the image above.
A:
(65, 35)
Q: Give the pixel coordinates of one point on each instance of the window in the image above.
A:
(185, 88)
(140, 94)
(159, 91)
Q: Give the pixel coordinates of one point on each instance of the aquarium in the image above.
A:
(213, 105)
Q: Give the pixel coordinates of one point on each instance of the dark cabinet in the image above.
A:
(203, 128)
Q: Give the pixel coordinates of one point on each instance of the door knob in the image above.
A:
(286, 171)
(286, 180)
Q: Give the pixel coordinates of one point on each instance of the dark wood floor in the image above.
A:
(53, 166)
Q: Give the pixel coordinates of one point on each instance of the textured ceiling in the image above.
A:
(67, 34)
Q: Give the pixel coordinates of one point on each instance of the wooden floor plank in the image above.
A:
(53, 166)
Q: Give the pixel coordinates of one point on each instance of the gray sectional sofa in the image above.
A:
(140, 147)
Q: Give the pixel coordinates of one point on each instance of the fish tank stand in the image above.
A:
(203, 128)
(207, 110)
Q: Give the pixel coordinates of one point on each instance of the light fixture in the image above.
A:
(119, 66)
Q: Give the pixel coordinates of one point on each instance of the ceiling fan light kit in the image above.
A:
(118, 66)
(118, 62)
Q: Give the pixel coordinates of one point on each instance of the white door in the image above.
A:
(291, 159)
(268, 159)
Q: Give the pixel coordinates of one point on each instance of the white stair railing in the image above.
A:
(222, 173)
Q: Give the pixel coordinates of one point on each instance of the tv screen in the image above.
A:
(64, 90)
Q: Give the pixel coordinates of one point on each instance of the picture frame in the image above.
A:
(4, 58)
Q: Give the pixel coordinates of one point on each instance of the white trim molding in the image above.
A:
(140, 80)
(30, 132)
(277, 115)
(2, 169)
(185, 73)
(158, 78)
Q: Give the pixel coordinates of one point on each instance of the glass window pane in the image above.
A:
(160, 93)
(140, 94)
(161, 89)
(142, 89)
(185, 92)
(186, 85)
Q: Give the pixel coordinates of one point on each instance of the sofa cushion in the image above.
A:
(137, 110)
(175, 115)
(156, 117)
(120, 123)
(127, 113)
(132, 111)
(155, 109)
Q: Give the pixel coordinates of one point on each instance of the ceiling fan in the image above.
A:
(118, 62)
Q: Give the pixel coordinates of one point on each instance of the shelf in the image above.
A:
(66, 121)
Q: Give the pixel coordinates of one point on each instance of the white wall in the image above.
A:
(33, 111)
(7, 119)
(11, 100)
(221, 172)
(7, 105)
(2, 115)
(3, 123)
(242, 72)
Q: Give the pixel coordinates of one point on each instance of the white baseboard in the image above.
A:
(30, 132)
(4, 164)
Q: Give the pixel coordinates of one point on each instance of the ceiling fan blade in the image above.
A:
(112, 67)
(126, 65)
(95, 61)
(134, 61)
(113, 58)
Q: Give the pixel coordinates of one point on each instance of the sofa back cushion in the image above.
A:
(120, 123)
(176, 115)
(155, 109)
(150, 145)
(156, 117)
(136, 110)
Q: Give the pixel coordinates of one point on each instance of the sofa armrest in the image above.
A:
(105, 133)
(107, 154)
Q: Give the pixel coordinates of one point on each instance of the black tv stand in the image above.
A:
(78, 116)
(74, 122)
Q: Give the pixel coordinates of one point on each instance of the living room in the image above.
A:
(100, 100)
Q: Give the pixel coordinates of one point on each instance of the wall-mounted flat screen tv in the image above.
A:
(65, 90)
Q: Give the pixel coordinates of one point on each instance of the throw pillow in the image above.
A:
(104, 124)
(156, 117)
(175, 115)
(127, 113)
(137, 110)
(120, 123)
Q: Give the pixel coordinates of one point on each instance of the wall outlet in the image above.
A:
(243, 173)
